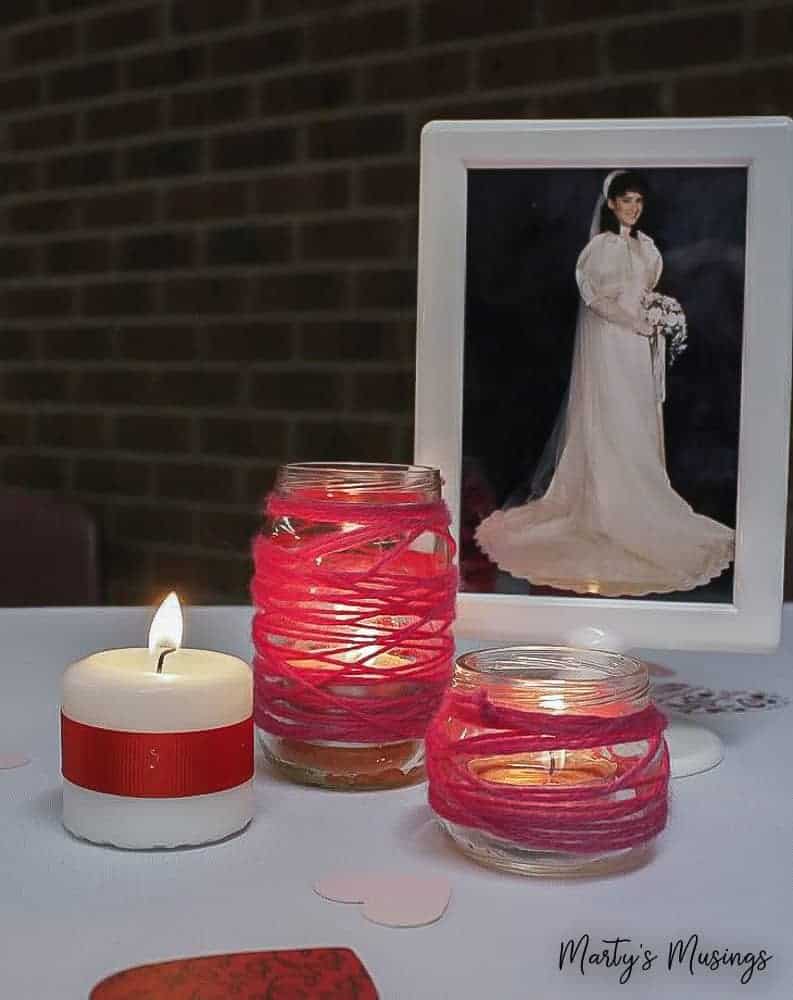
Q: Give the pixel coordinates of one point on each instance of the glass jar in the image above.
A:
(354, 591)
(531, 811)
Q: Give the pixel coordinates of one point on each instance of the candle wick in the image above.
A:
(163, 654)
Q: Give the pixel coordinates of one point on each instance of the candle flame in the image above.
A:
(166, 625)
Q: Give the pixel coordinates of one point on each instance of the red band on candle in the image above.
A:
(156, 765)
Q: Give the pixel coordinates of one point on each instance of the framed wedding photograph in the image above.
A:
(603, 374)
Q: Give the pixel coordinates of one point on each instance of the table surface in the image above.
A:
(72, 913)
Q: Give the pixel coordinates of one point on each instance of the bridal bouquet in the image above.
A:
(666, 317)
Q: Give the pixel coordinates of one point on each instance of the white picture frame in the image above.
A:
(449, 149)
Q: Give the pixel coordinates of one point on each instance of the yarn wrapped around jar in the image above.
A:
(354, 595)
(546, 760)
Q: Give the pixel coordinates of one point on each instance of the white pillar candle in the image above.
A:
(157, 758)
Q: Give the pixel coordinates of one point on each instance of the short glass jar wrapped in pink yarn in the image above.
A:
(550, 761)
(354, 593)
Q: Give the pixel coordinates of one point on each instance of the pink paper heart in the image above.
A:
(12, 760)
(391, 899)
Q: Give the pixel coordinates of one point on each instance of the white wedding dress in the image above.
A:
(610, 522)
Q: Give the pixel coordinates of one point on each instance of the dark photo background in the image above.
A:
(526, 228)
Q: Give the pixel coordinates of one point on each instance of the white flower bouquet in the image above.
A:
(666, 318)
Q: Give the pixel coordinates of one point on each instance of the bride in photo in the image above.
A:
(610, 521)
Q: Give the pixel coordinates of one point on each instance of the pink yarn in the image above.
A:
(320, 588)
(581, 820)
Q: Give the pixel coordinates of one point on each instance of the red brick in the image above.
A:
(62, 6)
(88, 80)
(383, 391)
(19, 176)
(152, 524)
(119, 209)
(312, 192)
(259, 481)
(157, 251)
(114, 476)
(206, 201)
(34, 471)
(37, 385)
(196, 296)
(212, 106)
(16, 345)
(117, 120)
(185, 481)
(117, 298)
(674, 43)
(203, 579)
(118, 386)
(251, 438)
(122, 28)
(14, 429)
(354, 238)
(391, 184)
(303, 390)
(189, 16)
(163, 159)
(75, 343)
(358, 34)
(256, 148)
(344, 440)
(759, 91)
(408, 79)
(631, 101)
(49, 300)
(141, 433)
(168, 68)
(17, 260)
(302, 291)
(305, 92)
(460, 107)
(255, 53)
(391, 289)
(80, 169)
(523, 63)
(20, 92)
(351, 137)
(773, 33)
(55, 41)
(258, 341)
(157, 343)
(44, 131)
(234, 532)
(357, 341)
(195, 387)
(16, 11)
(77, 256)
(449, 19)
(63, 429)
(247, 244)
(36, 216)
(566, 11)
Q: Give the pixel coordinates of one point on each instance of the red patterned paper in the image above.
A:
(294, 974)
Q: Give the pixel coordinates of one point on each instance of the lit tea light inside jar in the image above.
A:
(157, 742)
(354, 591)
(549, 760)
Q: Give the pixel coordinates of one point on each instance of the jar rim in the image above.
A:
(546, 666)
(347, 479)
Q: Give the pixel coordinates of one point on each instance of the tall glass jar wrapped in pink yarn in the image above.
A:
(550, 760)
(354, 592)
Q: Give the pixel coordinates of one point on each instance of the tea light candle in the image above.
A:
(157, 743)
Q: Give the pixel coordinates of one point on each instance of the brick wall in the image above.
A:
(209, 228)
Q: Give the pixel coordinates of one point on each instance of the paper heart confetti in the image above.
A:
(392, 899)
(12, 760)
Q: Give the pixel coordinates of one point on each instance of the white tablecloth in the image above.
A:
(71, 913)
